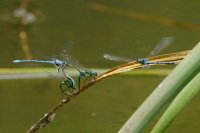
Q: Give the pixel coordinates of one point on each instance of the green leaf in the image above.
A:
(164, 93)
(182, 99)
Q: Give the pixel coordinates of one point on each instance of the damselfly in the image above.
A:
(59, 64)
(83, 71)
(68, 85)
(67, 60)
(165, 41)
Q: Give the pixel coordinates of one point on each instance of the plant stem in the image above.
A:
(183, 98)
(164, 93)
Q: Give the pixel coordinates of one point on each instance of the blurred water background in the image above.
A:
(41, 29)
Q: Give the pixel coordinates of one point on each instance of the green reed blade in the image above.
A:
(164, 93)
(182, 99)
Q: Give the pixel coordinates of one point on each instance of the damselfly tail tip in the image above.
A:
(105, 56)
(15, 61)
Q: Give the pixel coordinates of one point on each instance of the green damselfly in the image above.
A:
(83, 71)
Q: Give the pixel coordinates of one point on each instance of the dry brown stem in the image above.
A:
(176, 57)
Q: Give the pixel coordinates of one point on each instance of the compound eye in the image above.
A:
(82, 73)
(57, 64)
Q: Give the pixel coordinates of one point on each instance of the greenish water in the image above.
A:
(102, 108)
(106, 106)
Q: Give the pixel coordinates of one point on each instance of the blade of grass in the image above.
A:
(182, 99)
(164, 93)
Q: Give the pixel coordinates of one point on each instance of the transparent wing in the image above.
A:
(71, 61)
(164, 42)
(66, 56)
(68, 46)
(117, 58)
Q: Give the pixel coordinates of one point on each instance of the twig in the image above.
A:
(46, 119)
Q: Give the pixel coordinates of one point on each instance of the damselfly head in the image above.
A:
(143, 61)
(91, 73)
(82, 73)
(95, 73)
(58, 62)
